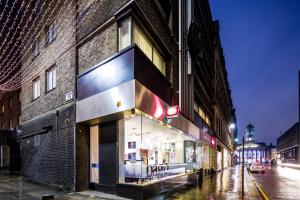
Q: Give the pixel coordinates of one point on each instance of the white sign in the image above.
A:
(69, 96)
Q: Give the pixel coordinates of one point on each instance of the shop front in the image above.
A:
(135, 149)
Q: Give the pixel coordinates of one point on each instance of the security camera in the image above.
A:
(132, 111)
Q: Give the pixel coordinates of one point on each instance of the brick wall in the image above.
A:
(52, 161)
(12, 113)
(100, 47)
(82, 157)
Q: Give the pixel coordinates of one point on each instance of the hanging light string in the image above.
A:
(6, 5)
(8, 18)
(27, 47)
(8, 68)
(16, 30)
(15, 83)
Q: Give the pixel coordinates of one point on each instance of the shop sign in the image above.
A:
(172, 112)
(206, 137)
(213, 142)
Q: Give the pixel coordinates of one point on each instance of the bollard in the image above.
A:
(48, 197)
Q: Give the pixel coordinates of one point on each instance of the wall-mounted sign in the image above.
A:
(172, 111)
(69, 96)
(213, 142)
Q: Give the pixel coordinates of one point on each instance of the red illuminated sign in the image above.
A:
(158, 108)
(172, 111)
(213, 142)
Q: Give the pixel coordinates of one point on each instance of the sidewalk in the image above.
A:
(251, 191)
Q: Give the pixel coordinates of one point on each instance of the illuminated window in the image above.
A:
(51, 79)
(3, 108)
(36, 86)
(142, 41)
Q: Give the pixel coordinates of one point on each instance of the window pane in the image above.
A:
(142, 42)
(125, 34)
(54, 78)
(159, 62)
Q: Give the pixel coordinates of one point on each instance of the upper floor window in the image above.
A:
(51, 78)
(10, 103)
(36, 87)
(10, 124)
(36, 47)
(51, 33)
(129, 32)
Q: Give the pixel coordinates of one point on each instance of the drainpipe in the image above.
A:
(180, 51)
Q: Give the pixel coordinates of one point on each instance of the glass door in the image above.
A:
(94, 154)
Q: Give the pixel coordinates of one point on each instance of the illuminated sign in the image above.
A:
(172, 111)
(213, 142)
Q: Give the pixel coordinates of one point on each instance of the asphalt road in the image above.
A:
(280, 183)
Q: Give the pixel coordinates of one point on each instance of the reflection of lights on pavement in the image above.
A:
(289, 165)
(289, 172)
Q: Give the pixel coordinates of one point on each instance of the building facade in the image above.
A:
(255, 151)
(288, 145)
(123, 96)
(10, 116)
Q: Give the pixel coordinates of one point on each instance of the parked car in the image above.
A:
(257, 167)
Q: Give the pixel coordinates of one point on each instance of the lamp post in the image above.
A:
(243, 166)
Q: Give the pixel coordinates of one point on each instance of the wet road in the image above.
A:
(280, 183)
(223, 185)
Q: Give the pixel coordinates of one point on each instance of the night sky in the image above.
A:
(261, 42)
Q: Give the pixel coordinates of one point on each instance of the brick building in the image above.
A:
(101, 88)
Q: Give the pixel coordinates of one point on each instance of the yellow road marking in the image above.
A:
(261, 191)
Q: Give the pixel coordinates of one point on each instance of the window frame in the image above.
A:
(51, 28)
(36, 47)
(51, 69)
(37, 79)
(135, 26)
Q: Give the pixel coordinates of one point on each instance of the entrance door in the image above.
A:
(103, 156)
(108, 154)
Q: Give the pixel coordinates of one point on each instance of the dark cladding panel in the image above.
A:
(146, 73)
(111, 73)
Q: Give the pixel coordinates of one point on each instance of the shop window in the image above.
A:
(151, 152)
(51, 79)
(130, 32)
(36, 88)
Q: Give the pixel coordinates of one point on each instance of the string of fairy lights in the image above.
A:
(31, 30)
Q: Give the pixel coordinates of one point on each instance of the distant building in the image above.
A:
(255, 151)
(288, 145)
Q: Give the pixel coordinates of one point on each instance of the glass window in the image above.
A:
(125, 34)
(150, 151)
(142, 42)
(3, 108)
(51, 79)
(159, 62)
(36, 47)
(51, 33)
(36, 88)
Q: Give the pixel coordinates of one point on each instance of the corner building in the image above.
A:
(132, 67)
(103, 78)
